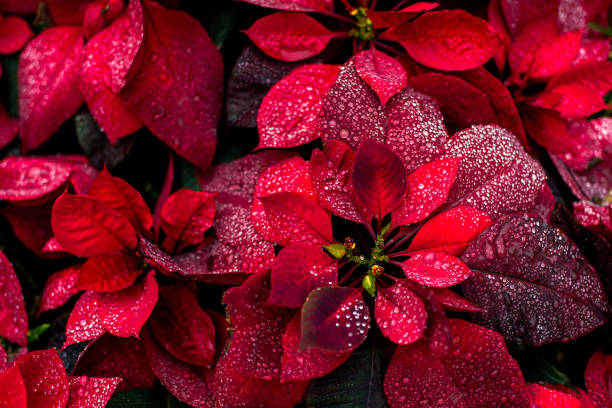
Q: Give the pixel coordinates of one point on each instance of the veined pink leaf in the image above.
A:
(13, 317)
(400, 314)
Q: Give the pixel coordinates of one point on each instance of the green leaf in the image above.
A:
(358, 383)
(186, 172)
(539, 370)
(336, 250)
(36, 332)
(9, 74)
(222, 26)
(369, 284)
(142, 398)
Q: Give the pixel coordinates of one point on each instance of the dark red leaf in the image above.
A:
(60, 287)
(108, 273)
(523, 273)
(400, 314)
(13, 317)
(289, 112)
(447, 40)
(14, 34)
(334, 319)
(84, 323)
(297, 270)
(12, 389)
(185, 217)
(85, 226)
(184, 106)
(19, 7)
(99, 14)
(296, 5)
(9, 126)
(122, 197)
(110, 357)
(107, 60)
(290, 36)
(123, 313)
(45, 379)
(181, 326)
(378, 179)
(597, 379)
(388, 19)
(91, 392)
(477, 373)
(452, 301)
(31, 224)
(436, 269)
(48, 83)
(385, 75)
(295, 218)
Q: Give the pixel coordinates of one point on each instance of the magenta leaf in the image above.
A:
(60, 287)
(334, 319)
(48, 83)
(436, 269)
(523, 273)
(12, 389)
(84, 323)
(379, 179)
(596, 379)
(13, 317)
(15, 34)
(289, 112)
(400, 314)
(385, 75)
(91, 392)
(478, 372)
(45, 379)
(297, 270)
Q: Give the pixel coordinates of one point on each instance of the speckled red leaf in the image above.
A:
(45, 379)
(296, 5)
(14, 34)
(123, 357)
(185, 217)
(85, 226)
(592, 50)
(108, 273)
(84, 323)
(12, 389)
(447, 40)
(387, 19)
(547, 397)
(385, 75)
(91, 392)
(452, 231)
(334, 319)
(107, 59)
(289, 112)
(290, 36)
(436, 269)
(452, 301)
(231, 389)
(297, 270)
(60, 287)
(184, 106)
(239, 177)
(181, 379)
(48, 83)
(461, 103)
(597, 379)
(13, 317)
(523, 273)
(158, 259)
(400, 314)
(123, 313)
(428, 188)
(122, 197)
(378, 179)
(477, 373)
(287, 176)
(330, 175)
(308, 364)
(295, 218)
(181, 326)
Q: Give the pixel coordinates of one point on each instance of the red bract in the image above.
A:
(13, 318)
(175, 110)
(597, 379)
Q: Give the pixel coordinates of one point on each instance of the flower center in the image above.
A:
(365, 29)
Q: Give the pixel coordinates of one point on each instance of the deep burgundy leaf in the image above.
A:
(85, 226)
(60, 287)
(13, 317)
(184, 106)
(91, 392)
(84, 323)
(447, 40)
(19, 7)
(45, 379)
(14, 34)
(597, 379)
(31, 225)
(296, 5)
(290, 36)
(523, 273)
(334, 319)
(400, 314)
(378, 179)
(436, 269)
(385, 75)
(108, 273)
(12, 389)
(123, 313)
(289, 112)
(124, 357)
(477, 373)
(295, 218)
(308, 364)
(185, 217)
(107, 60)
(48, 83)
(387, 19)
(181, 326)
(297, 270)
